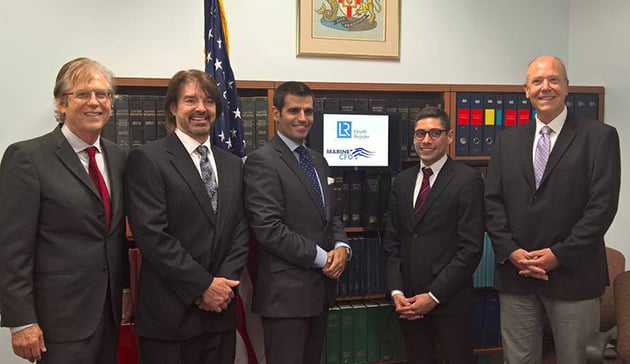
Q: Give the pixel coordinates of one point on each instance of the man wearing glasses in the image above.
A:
(433, 243)
(63, 253)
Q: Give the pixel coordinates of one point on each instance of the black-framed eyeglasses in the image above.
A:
(433, 133)
(85, 94)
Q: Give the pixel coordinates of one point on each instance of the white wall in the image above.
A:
(599, 50)
(463, 41)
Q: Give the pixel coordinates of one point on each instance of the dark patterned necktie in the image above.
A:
(207, 176)
(424, 191)
(307, 164)
(99, 182)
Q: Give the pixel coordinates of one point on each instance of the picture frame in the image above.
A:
(349, 28)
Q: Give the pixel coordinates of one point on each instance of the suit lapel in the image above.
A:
(291, 161)
(69, 158)
(565, 138)
(443, 179)
(525, 159)
(184, 166)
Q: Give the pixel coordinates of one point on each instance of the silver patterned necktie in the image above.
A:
(542, 154)
(207, 176)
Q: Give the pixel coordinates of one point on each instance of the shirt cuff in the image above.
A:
(434, 298)
(19, 328)
(321, 257)
(396, 291)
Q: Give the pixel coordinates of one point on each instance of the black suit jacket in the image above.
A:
(58, 261)
(288, 223)
(569, 213)
(184, 244)
(439, 251)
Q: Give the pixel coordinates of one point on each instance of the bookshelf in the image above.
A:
(446, 96)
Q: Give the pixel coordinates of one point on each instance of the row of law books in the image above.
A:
(407, 107)
(255, 118)
(486, 330)
(362, 197)
(135, 120)
(363, 332)
(364, 273)
(482, 116)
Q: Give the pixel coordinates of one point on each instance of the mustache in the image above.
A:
(199, 114)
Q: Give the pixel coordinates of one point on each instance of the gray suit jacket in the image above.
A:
(184, 244)
(57, 260)
(288, 224)
(569, 213)
(440, 250)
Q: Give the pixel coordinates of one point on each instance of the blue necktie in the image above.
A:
(307, 164)
(207, 176)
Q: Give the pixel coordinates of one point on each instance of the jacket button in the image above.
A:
(105, 269)
(415, 236)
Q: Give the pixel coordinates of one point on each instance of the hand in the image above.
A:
(419, 305)
(218, 296)
(336, 262)
(403, 308)
(524, 262)
(539, 262)
(29, 343)
(127, 307)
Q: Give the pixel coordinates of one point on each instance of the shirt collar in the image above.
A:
(76, 143)
(435, 167)
(289, 142)
(555, 125)
(191, 144)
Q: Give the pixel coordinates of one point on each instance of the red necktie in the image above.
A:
(99, 182)
(424, 191)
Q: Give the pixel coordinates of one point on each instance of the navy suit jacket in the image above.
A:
(58, 261)
(288, 223)
(439, 251)
(184, 244)
(570, 212)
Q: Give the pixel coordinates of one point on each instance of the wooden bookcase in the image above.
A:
(447, 93)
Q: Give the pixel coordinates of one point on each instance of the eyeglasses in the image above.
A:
(85, 94)
(433, 133)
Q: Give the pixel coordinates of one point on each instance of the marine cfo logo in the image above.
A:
(344, 129)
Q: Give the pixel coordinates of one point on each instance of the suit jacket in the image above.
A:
(439, 251)
(288, 224)
(184, 244)
(58, 261)
(569, 213)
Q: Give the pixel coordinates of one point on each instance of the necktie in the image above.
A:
(307, 165)
(542, 154)
(424, 190)
(207, 176)
(99, 182)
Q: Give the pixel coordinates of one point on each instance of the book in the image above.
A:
(149, 124)
(261, 116)
(333, 336)
(371, 204)
(347, 333)
(462, 130)
(476, 123)
(136, 122)
(248, 118)
(360, 332)
(121, 109)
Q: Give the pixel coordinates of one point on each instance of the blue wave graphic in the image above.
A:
(362, 152)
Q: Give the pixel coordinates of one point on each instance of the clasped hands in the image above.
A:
(218, 296)
(335, 263)
(535, 264)
(413, 308)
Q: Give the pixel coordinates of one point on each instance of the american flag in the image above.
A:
(228, 129)
(228, 134)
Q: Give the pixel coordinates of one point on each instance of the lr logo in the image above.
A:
(344, 129)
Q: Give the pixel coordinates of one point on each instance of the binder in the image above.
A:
(489, 123)
(524, 109)
(462, 130)
(476, 123)
(499, 115)
(586, 105)
(569, 101)
(510, 106)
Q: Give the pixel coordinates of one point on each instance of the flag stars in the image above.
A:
(210, 34)
(229, 143)
(237, 113)
(219, 42)
(218, 65)
(233, 132)
(222, 136)
(209, 57)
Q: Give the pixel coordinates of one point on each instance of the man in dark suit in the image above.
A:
(433, 243)
(551, 194)
(303, 245)
(63, 253)
(186, 213)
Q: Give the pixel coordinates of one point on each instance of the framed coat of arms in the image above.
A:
(349, 28)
